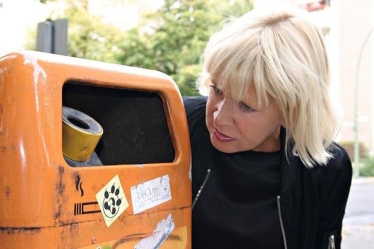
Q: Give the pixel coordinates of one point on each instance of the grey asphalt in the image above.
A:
(358, 223)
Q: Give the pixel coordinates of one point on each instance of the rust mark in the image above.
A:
(73, 226)
(175, 237)
(14, 148)
(7, 191)
(5, 149)
(74, 229)
(94, 188)
(60, 186)
(60, 190)
(13, 230)
(1, 109)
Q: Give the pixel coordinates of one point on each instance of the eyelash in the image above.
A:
(216, 90)
(246, 108)
(241, 105)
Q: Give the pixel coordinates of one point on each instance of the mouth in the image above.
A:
(222, 137)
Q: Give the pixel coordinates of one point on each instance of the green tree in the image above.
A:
(173, 39)
(88, 36)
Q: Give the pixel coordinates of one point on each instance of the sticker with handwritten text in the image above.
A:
(150, 194)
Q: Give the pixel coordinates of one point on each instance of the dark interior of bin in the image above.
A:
(134, 123)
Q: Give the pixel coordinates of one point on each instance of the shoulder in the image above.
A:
(340, 161)
(194, 105)
(195, 110)
(335, 177)
(334, 186)
(339, 165)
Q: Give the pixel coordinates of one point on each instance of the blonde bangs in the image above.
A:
(234, 64)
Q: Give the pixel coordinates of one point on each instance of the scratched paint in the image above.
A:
(160, 234)
(39, 73)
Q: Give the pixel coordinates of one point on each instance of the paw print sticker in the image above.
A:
(112, 200)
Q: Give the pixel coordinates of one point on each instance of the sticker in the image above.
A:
(112, 200)
(150, 194)
(160, 234)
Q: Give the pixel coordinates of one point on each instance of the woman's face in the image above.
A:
(242, 126)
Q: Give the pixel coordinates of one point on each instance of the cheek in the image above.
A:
(254, 125)
(209, 114)
(210, 107)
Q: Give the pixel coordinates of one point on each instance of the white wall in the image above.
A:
(16, 18)
(355, 19)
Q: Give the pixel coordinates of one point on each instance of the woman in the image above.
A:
(266, 172)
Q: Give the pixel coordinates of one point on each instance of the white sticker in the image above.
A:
(150, 194)
(112, 200)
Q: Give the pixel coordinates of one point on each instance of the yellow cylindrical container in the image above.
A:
(81, 133)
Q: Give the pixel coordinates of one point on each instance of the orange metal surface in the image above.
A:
(38, 189)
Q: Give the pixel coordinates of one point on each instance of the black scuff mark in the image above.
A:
(13, 230)
(175, 237)
(7, 192)
(74, 229)
(73, 226)
(60, 190)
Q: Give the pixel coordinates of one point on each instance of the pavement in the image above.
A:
(358, 223)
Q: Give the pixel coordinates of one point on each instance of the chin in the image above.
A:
(224, 148)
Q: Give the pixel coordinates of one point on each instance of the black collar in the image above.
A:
(290, 164)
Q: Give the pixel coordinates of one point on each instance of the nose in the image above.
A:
(223, 114)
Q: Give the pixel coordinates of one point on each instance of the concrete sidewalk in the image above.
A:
(358, 223)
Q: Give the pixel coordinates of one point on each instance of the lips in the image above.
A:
(222, 137)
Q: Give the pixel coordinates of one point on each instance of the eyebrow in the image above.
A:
(214, 81)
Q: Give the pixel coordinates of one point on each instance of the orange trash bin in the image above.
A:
(139, 198)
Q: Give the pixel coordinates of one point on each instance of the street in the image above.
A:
(358, 223)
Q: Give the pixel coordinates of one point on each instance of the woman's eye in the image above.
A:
(246, 108)
(216, 90)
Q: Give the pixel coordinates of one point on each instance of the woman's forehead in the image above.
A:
(248, 96)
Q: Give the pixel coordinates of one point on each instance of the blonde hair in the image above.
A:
(283, 54)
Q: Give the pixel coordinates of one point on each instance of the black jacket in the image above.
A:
(311, 203)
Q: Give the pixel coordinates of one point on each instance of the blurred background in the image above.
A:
(170, 35)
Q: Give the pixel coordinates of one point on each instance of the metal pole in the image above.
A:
(355, 126)
(53, 37)
(44, 39)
